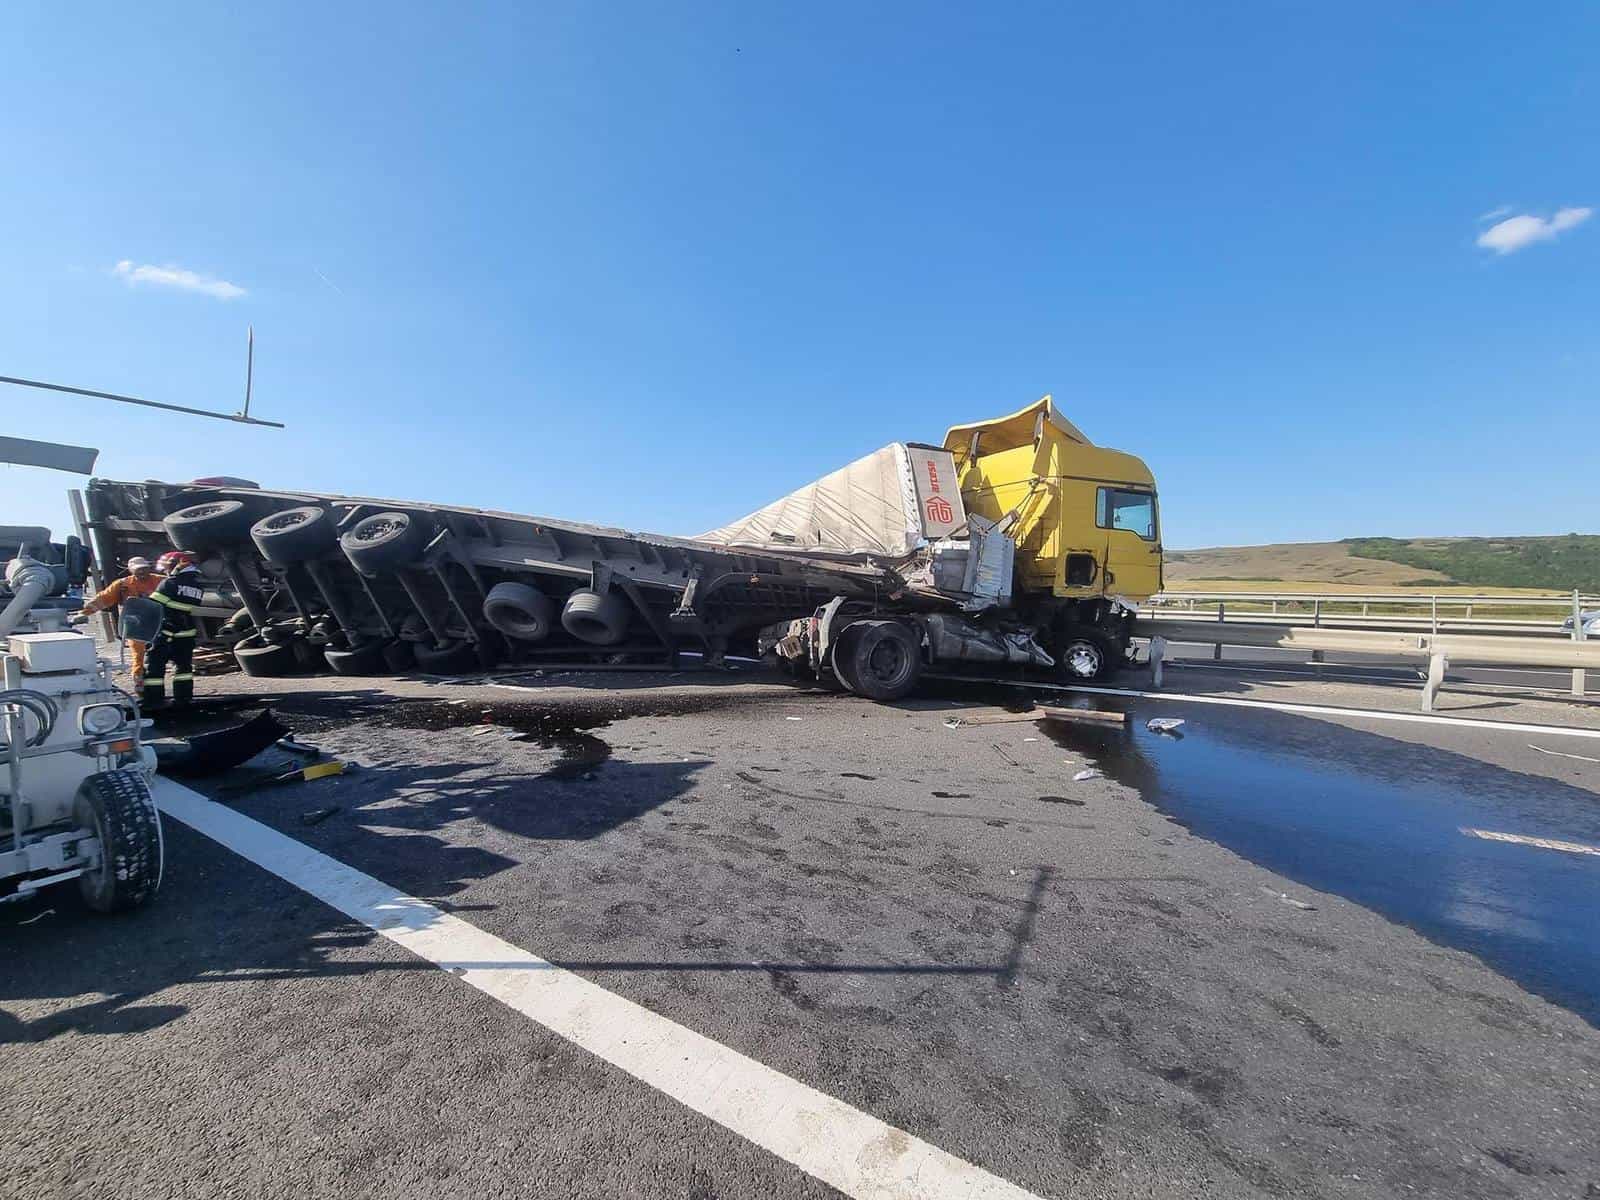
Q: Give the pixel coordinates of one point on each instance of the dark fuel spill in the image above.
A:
(1380, 822)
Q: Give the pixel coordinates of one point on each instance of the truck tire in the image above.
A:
(118, 806)
(455, 657)
(363, 660)
(262, 659)
(1087, 656)
(600, 619)
(214, 525)
(520, 612)
(384, 541)
(308, 658)
(294, 535)
(880, 660)
(399, 657)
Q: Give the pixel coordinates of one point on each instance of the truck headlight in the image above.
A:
(97, 720)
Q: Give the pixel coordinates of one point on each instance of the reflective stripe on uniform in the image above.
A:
(182, 678)
(171, 603)
(178, 633)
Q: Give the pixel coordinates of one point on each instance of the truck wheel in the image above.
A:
(294, 535)
(454, 657)
(308, 658)
(399, 657)
(213, 525)
(1087, 656)
(519, 611)
(363, 660)
(881, 660)
(265, 660)
(118, 806)
(600, 619)
(384, 541)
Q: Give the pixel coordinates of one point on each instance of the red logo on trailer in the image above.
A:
(933, 481)
(939, 511)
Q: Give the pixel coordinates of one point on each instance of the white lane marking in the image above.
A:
(1561, 754)
(826, 1138)
(1493, 835)
(1327, 710)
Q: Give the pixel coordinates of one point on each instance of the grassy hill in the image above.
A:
(1549, 564)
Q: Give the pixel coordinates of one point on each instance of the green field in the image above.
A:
(1558, 563)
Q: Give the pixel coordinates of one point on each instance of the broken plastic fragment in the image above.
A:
(1087, 773)
(1163, 724)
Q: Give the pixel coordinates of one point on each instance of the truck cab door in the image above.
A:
(1133, 541)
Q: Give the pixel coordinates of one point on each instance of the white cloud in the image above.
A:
(1516, 232)
(176, 277)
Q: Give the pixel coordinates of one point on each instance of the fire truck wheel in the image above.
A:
(118, 806)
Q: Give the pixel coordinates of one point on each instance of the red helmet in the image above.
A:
(173, 561)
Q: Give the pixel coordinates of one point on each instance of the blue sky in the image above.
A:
(655, 265)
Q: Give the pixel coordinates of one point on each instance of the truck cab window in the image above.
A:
(1133, 511)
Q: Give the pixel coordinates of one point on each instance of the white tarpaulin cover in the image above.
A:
(869, 507)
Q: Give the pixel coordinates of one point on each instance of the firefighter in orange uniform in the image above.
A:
(140, 580)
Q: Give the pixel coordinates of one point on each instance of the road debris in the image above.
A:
(316, 816)
(212, 753)
(1088, 773)
(998, 716)
(1285, 898)
(38, 917)
(1091, 716)
(1168, 725)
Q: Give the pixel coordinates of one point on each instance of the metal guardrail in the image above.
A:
(1433, 611)
(1439, 650)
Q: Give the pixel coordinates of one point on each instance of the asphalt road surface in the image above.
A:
(1260, 960)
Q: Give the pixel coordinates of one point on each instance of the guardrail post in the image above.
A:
(1578, 683)
(1435, 600)
(1430, 689)
(1216, 649)
(1316, 620)
(1158, 651)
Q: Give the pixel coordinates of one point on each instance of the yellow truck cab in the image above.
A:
(1085, 522)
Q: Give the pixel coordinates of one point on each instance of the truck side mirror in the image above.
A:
(77, 562)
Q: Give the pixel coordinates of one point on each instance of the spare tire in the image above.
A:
(363, 660)
(881, 660)
(454, 657)
(294, 535)
(266, 660)
(214, 525)
(384, 541)
(599, 618)
(519, 611)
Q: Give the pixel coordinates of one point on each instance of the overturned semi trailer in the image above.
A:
(301, 581)
(1017, 542)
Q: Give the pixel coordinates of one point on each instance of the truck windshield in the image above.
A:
(1116, 508)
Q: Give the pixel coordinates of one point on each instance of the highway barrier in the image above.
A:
(1437, 650)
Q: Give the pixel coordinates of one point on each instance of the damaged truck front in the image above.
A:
(1036, 548)
(1017, 541)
